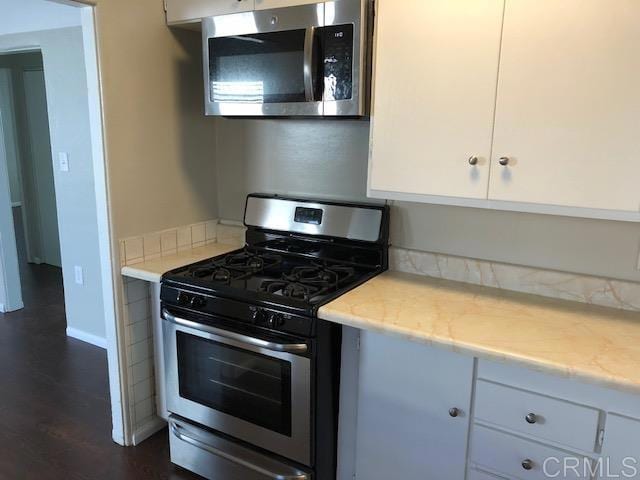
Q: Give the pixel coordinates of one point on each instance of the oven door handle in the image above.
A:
(181, 433)
(309, 88)
(239, 337)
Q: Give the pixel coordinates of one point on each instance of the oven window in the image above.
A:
(258, 68)
(244, 384)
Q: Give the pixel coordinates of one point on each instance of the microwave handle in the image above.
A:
(308, 64)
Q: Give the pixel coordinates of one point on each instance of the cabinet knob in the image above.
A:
(473, 160)
(531, 418)
(454, 412)
(527, 464)
(504, 161)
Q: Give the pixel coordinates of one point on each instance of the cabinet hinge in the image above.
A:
(601, 437)
(357, 348)
(164, 5)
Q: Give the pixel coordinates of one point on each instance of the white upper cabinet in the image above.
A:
(184, 12)
(561, 78)
(189, 11)
(436, 65)
(568, 103)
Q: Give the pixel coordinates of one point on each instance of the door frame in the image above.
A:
(8, 251)
(107, 245)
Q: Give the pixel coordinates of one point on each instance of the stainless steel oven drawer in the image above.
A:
(216, 458)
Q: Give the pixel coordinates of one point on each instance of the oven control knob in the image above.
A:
(183, 299)
(198, 302)
(258, 316)
(275, 320)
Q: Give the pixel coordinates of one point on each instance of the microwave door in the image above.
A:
(270, 69)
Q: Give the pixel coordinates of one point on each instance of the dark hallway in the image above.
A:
(55, 420)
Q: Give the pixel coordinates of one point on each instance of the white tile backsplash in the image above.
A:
(184, 237)
(198, 235)
(169, 242)
(133, 250)
(151, 245)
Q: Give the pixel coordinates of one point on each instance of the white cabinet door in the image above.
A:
(435, 76)
(568, 103)
(621, 448)
(186, 11)
(405, 393)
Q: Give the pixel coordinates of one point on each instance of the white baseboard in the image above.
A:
(4, 308)
(87, 337)
(151, 427)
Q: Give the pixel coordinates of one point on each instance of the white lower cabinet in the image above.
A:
(480, 475)
(537, 416)
(407, 395)
(621, 448)
(427, 413)
(525, 459)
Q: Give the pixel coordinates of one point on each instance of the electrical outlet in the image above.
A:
(63, 159)
(79, 275)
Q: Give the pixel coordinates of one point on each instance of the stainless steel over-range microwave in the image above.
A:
(308, 60)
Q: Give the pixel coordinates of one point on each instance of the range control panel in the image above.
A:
(273, 319)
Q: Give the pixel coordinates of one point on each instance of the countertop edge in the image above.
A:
(131, 271)
(479, 351)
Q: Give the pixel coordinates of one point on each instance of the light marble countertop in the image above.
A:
(152, 270)
(595, 344)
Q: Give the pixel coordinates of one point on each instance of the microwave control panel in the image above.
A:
(338, 62)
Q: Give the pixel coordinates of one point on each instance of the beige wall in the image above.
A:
(329, 158)
(159, 145)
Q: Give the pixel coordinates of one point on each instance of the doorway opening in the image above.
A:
(27, 146)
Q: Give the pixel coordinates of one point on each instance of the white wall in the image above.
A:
(10, 135)
(328, 158)
(67, 101)
(31, 15)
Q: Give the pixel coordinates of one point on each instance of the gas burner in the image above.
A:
(289, 289)
(247, 261)
(239, 266)
(309, 281)
(324, 276)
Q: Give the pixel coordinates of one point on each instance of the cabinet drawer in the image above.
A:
(478, 475)
(566, 423)
(505, 453)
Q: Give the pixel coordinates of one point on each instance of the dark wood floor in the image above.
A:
(55, 420)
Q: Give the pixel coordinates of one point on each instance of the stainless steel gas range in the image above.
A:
(252, 375)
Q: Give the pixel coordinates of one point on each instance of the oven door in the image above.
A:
(254, 389)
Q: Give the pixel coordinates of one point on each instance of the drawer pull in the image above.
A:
(454, 412)
(531, 418)
(527, 464)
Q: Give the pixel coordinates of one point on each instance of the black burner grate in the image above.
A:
(307, 282)
(239, 266)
